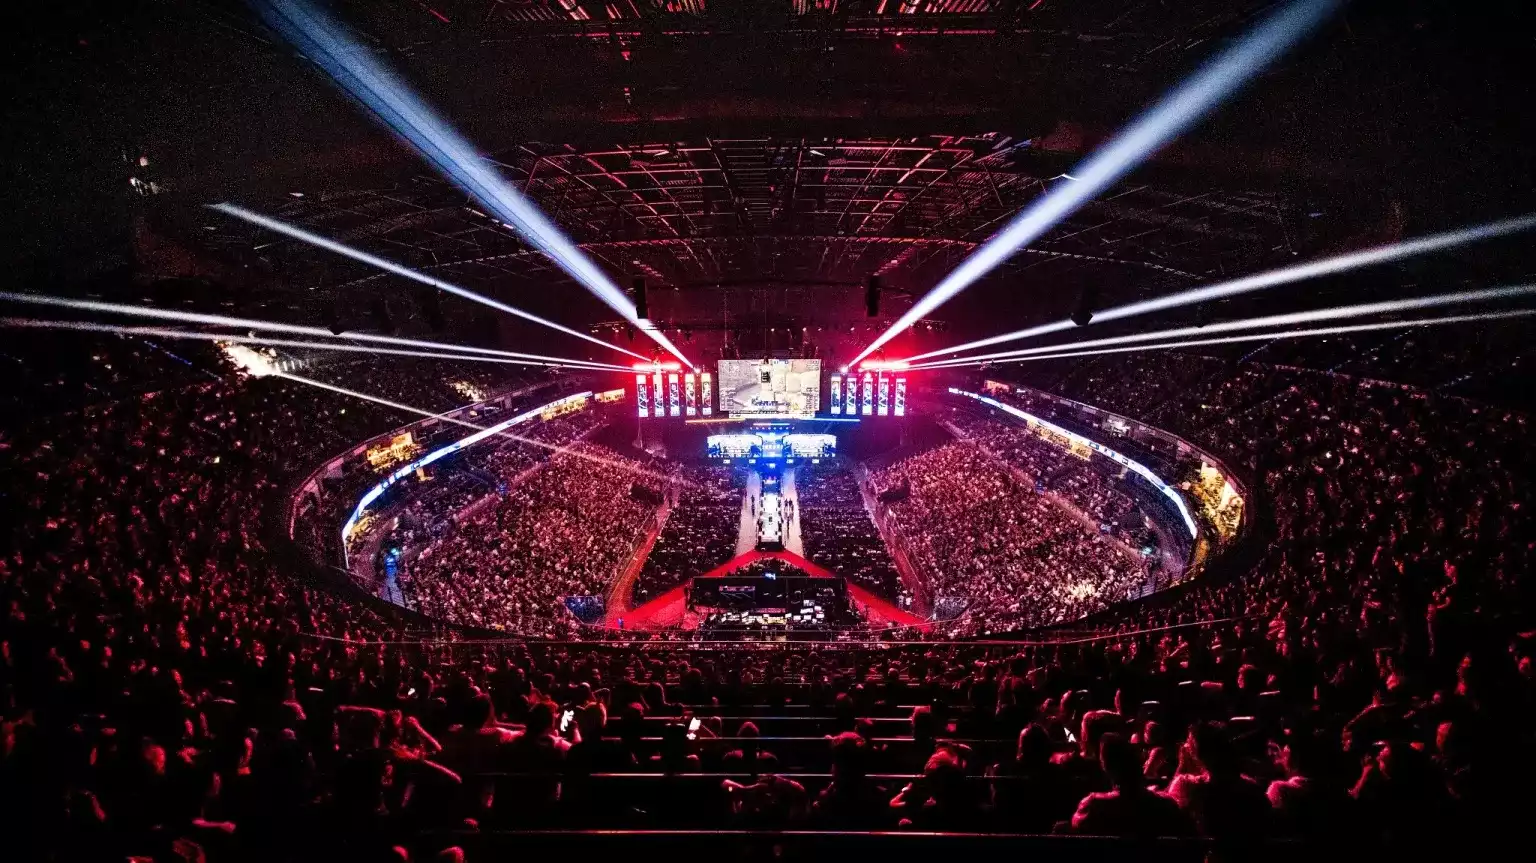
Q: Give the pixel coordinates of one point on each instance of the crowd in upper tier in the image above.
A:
(700, 533)
(977, 530)
(565, 531)
(839, 535)
(463, 484)
(1085, 482)
(1088, 483)
(171, 689)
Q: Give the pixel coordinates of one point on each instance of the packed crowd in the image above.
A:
(417, 511)
(564, 531)
(839, 535)
(169, 691)
(700, 532)
(1084, 482)
(429, 385)
(975, 529)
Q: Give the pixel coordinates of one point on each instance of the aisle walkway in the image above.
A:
(746, 534)
(617, 601)
(791, 495)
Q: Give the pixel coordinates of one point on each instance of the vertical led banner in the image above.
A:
(674, 397)
(640, 397)
(901, 397)
(706, 398)
(851, 395)
(868, 405)
(837, 395)
(658, 396)
(690, 398)
(883, 405)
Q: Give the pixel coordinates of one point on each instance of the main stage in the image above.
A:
(670, 610)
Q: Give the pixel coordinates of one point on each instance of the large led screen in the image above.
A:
(775, 388)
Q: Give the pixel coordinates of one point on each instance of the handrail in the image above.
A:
(675, 643)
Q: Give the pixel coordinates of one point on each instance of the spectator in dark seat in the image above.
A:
(1400, 794)
(851, 801)
(676, 755)
(1129, 809)
(1306, 803)
(591, 753)
(1029, 793)
(539, 748)
(940, 799)
(537, 754)
(771, 802)
(656, 703)
(1211, 787)
(479, 743)
(751, 757)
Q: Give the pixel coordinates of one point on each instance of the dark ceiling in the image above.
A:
(755, 160)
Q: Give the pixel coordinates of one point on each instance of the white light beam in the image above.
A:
(389, 266)
(252, 324)
(1212, 85)
(505, 434)
(1252, 337)
(355, 68)
(1335, 313)
(1272, 278)
(167, 333)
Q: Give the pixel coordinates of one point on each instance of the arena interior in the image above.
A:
(768, 429)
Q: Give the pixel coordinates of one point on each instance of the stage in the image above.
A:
(670, 609)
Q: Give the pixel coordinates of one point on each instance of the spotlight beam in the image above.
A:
(1252, 337)
(251, 324)
(355, 69)
(1331, 314)
(1175, 113)
(1270, 279)
(389, 266)
(556, 448)
(168, 333)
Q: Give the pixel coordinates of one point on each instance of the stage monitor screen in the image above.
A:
(775, 388)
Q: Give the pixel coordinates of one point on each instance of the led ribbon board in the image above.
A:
(403, 472)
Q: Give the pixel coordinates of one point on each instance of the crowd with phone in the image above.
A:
(172, 689)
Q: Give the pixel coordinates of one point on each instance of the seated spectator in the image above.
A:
(1129, 808)
(480, 740)
(1029, 793)
(1306, 803)
(750, 757)
(851, 801)
(940, 799)
(1210, 786)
